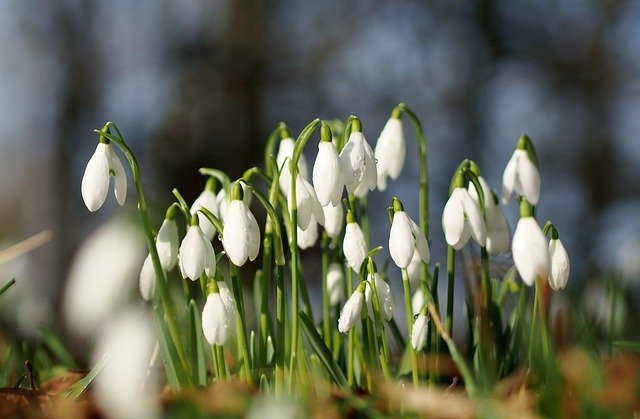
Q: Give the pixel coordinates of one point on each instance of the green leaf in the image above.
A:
(53, 343)
(318, 346)
(7, 286)
(80, 386)
(176, 376)
(627, 345)
(196, 346)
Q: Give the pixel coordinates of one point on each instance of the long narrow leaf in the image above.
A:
(318, 346)
(198, 361)
(54, 344)
(80, 386)
(175, 375)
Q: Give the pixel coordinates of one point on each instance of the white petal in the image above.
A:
(509, 178)
(370, 172)
(498, 232)
(327, 174)
(453, 221)
(120, 184)
(167, 244)
(147, 279)
(401, 240)
(235, 234)
(419, 332)
(307, 238)
(421, 242)
(253, 233)
(335, 283)
(285, 153)
(354, 246)
(352, 158)
(193, 253)
(215, 320)
(486, 189)
(528, 179)
(95, 181)
(560, 265)
(210, 263)
(475, 220)
(386, 298)
(333, 219)
(417, 301)
(530, 251)
(413, 270)
(229, 303)
(208, 200)
(351, 312)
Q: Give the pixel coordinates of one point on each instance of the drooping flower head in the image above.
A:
(241, 236)
(307, 238)
(307, 204)
(103, 164)
(390, 150)
(196, 252)
(216, 322)
(207, 199)
(285, 154)
(419, 331)
(335, 283)
(354, 244)
(224, 200)
(521, 174)
(560, 264)
(385, 297)
(327, 171)
(333, 219)
(147, 279)
(529, 247)
(358, 163)
(167, 241)
(462, 218)
(352, 310)
(406, 237)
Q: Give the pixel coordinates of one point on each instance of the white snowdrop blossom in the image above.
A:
(390, 152)
(147, 279)
(103, 164)
(241, 236)
(560, 265)
(498, 231)
(419, 332)
(208, 200)
(168, 243)
(354, 246)
(418, 301)
(521, 176)
(335, 283)
(216, 324)
(307, 238)
(307, 203)
(384, 296)
(462, 219)
(333, 219)
(102, 275)
(358, 165)
(196, 254)
(224, 200)
(285, 154)
(127, 387)
(327, 174)
(351, 311)
(530, 251)
(229, 303)
(413, 270)
(406, 237)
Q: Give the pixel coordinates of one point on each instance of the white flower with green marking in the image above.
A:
(419, 332)
(327, 175)
(530, 251)
(351, 312)
(358, 165)
(241, 236)
(390, 152)
(216, 324)
(560, 264)
(95, 182)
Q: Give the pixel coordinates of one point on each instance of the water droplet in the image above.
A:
(375, 161)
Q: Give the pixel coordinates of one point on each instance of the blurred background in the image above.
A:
(201, 83)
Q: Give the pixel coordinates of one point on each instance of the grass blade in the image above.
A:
(175, 375)
(54, 344)
(8, 285)
(196, 346)
(318, 346)
(79, 387)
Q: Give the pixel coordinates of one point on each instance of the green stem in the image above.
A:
(326, 304)
(380, 332)
(161, 279)
(451, 260)
(240, 326)
(280, 329)
(364, 217)
(534, 323)
(222, 363)
(351, 342)
(409, 314)
(265, 281)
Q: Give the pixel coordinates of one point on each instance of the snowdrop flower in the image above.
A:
(358, 164)
(216, 324)
(208, 200)
(384, 296)
(560, 264)
(127, 387)
(521, 175)
(147, 279)
(285, 153)
(167, 241)
(354, 245)
(498, 231)
(307, 238)
(307, 203)
(462, 218)
(419, 331)
(102, 276)
(335, 283)
(413, 270)
(418, 301)
(241, 236)
(406, 237)
(327, 171)
(224, 200)
(103, 164)
(333, 219)
(529, 248)
(390, 151)
(229, 302)
(352, 310)
(196, 253)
